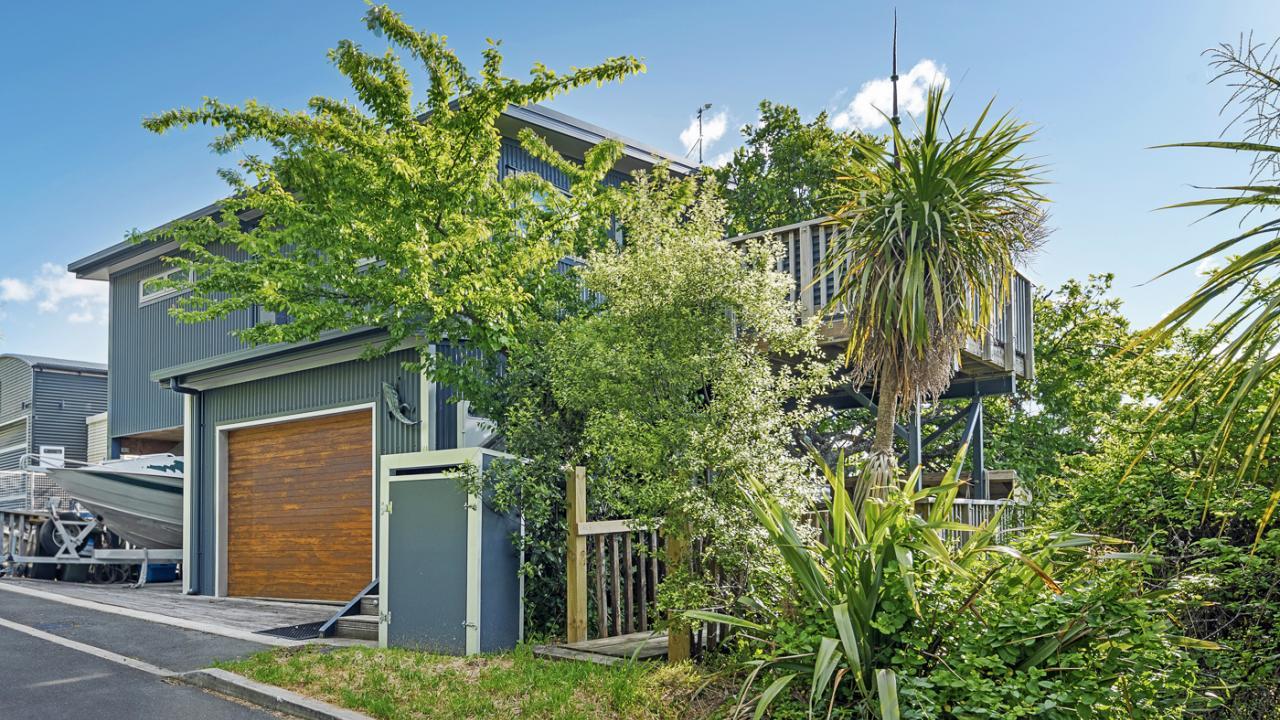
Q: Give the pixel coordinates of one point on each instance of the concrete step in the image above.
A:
(369, 605)
(357, 627)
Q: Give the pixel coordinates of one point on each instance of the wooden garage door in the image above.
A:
(299, 521)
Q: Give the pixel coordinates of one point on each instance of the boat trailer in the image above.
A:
(71, 533)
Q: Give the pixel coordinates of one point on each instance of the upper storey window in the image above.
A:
(156, 288)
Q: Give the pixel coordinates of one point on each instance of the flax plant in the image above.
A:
(849, 571)
(1242, 297)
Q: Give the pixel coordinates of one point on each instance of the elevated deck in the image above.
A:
(1007, 348)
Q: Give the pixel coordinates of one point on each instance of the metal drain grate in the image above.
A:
(305, 631)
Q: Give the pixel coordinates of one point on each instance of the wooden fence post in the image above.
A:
(576, 553)
(678, 640)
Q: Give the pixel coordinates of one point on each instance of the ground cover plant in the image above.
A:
(393, 684)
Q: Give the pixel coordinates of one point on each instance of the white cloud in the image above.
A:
(874, 101)
(54, 290)
(713, 128)
(1208, 266)
(721, 159)
(15, 290)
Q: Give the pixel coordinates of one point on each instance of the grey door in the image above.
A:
(427, 565)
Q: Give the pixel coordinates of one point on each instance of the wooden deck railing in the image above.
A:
(1006, 347)
(977, 512)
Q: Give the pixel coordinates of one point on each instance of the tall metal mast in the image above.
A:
(704, 108)
(895, 120)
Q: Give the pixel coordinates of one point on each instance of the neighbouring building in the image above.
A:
(43, 405)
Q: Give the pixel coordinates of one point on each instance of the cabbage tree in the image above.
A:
(930, 231)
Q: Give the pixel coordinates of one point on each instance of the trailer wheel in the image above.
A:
(49, 543)
(44, 539)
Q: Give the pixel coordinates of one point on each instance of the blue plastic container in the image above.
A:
(162, 572)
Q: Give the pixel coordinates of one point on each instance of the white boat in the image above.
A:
(139, 499)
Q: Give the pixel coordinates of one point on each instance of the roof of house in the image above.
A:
(38, 361)
(574, 135)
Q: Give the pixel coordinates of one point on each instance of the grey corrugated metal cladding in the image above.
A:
(44, 405)
(62, 401)
(144, 338)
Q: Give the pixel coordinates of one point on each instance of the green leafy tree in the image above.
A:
(1202, 526)
(786, 171)
(665, 388)
(1055, 421)
(391, 213)
(1243, 351)
(929, 236)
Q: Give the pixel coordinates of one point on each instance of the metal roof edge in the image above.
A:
(261, 353)
(38, 361)
(545, 117)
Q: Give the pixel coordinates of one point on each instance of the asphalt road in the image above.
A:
(169, 647)
(45, 679)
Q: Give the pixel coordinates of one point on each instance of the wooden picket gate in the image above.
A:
(614, 569)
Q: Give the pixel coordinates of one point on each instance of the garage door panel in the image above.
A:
(308, 456)
(299, 534)
(318, 491)
(299, 508)
(304, 462)
(278, 441)
(309, 471)
(317, 478)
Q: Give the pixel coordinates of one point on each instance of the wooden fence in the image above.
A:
(614, 569)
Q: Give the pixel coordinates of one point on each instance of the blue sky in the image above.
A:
(1101, 81)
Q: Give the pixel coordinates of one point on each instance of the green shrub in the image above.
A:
(887, 620)
(1206, 537)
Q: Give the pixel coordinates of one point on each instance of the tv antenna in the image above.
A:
(705, 107)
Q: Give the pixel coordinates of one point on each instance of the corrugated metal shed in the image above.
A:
(44, 401)
(15, 408)
(62, 401)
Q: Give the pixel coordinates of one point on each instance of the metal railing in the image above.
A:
(30, 490)
(805, 246)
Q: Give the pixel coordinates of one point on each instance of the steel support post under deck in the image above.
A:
(914, 446)
(979, 452)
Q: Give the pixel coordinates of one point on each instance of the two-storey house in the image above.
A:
(282, 442)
